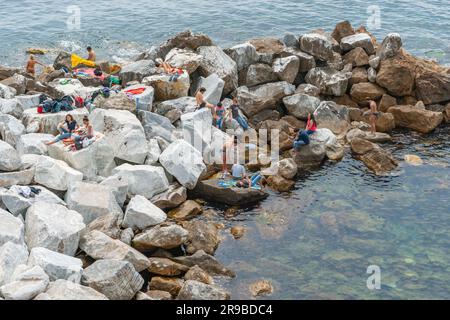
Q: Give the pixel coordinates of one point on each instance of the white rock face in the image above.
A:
(95, 160)
(184, 162)
(26, 283)
(154, 151)
(11, 228)
(136, 71)
(9, 159)
(33, 143)
(7, 92)
(165, 89)
(17, 204)
(324, 136)
(144, 100)
(362, 40)
(54, 227)
(217, 61)
(317, 45)
(10, 129)
(300, 105)
(196, 127)
(11, 107)
(92, 201)
(184, 58)
(156, 125)
(123, 132)
(118, 186)
(171, 198)
(118, 280)
(28, 101)
(48, 122)
(141, 214)
(243, 54)
(183, 104)
(286, 68)
(73, 88)
(11, 256)
(56, 265)
(67, 290)
(214, 88)
(55, 174)
(139, 178)
(328, 80)
(23, 177)
(98, 245)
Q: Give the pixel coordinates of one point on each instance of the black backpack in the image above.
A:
(78, 145)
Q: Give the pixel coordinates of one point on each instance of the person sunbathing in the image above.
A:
(252, 182)
(66, 128)
(174, 73)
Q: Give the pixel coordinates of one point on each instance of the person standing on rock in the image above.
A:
(92, 56)
(373, 116)
(201, 102)
(302, 138)
(31, 65)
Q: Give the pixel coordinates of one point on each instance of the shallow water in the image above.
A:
(318, 240)
(120, 29)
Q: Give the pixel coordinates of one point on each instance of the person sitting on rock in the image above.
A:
(302, 138)
(64, 133)
(252, 182)
(238, 172)
(31, 64)
(86, 131)
(201, 102)
(235, 114)
(92, 56)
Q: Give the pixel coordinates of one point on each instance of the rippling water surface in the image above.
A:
(317, 241)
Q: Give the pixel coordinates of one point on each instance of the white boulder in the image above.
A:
(141, 214)
(9, 159)
(33, 143)
(55, 174)
(11, 228)
(67, 290)
(10, 129)
(26, 283)
(11, 255)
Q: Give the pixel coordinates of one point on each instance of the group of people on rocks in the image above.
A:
(72, 135)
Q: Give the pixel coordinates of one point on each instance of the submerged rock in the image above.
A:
(261, 288)
(374, 157)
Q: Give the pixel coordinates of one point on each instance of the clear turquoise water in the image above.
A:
(317, 241)
(120, 28)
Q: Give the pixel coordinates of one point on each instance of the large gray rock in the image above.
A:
(68, 87)
(333, 116)
(11, 255)
(33, 143)
(362, 40)
(328, 80)
(154, 151)
(358, 133)
(56, 265)
(98, 245)
(214, 88)
(195, 290)
(54, 227)
(166, 236)
(390, 46)
(17, 204)
(183, 104)
(7, 92)
(300, 105)
(48, 122)
(11, 228)
(11, 129)
(55, 174)
(10, 159)
(217, 61)
(196, 128)
(267, 96)
(26, 283)
(184, 162)
(22, 177)
(255, 74)
(211, 191)
(28, 101)
(95, 160)
(317, 45)
(307, 61)
(116, 279)
(156, 125)
(67, 290)
(138, 178)
(166, 89)
(11, 107)
(136, 71)
(141, 214)
(243, 54)
(171, 198)
(118, 186)
(92, 200)
(286, 68)
(123, 132)
(116, 101)
(144, 100)
(17, 82)
(291, 40)
(185, 59)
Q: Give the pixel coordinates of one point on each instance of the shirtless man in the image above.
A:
(31, 64)
(91, 54)
(373, 116)
(201, 102)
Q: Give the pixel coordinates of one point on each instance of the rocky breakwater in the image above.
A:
(123, 217)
